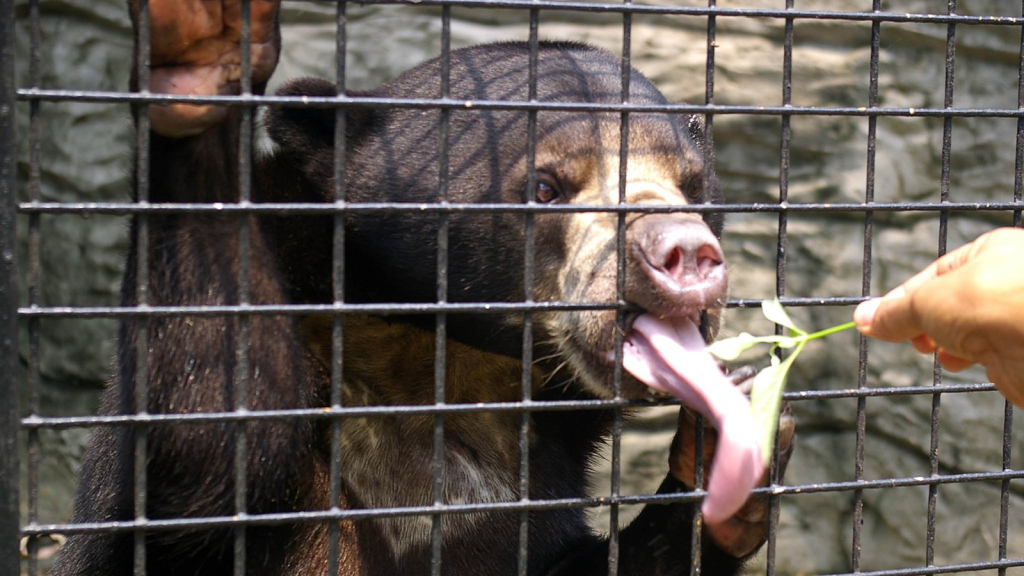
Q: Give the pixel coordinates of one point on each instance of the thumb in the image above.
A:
(893, 318)
(896, 317)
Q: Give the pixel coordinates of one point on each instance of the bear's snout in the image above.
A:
(676, 265)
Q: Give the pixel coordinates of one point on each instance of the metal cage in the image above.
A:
(21, 314)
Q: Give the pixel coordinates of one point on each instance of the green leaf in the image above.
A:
(766, 400)
(731, 348)
(773, 310)
(766, 394)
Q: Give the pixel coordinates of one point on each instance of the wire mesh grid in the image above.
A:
(20, 517)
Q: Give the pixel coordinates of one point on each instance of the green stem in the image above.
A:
(831, 330)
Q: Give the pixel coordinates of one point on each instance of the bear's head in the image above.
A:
(497, 160)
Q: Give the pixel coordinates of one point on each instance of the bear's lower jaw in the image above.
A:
(585, 342)
(596, 373)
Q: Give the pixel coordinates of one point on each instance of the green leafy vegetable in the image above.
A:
(766, 394)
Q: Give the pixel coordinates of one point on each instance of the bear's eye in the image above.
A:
(692, 186)
(546, 193)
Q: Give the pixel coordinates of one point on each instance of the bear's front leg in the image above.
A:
(743, 534)
(659, 540)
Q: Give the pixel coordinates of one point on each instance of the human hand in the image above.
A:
(968, 306)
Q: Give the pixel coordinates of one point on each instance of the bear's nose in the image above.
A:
(677, 265)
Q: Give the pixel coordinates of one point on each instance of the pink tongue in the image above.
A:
(668, 355)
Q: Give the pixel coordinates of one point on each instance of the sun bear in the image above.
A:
(283, 369)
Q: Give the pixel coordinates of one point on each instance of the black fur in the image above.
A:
(392, 154)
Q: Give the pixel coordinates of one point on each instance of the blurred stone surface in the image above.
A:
(84, 152)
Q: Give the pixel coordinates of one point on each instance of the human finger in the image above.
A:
(895, 300)
(923, 344)
(942, 265)
(1012, 390)
(890, 318)
(952, 362)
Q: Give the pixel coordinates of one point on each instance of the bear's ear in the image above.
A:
(303, 131)
(697, 130)
(695, 126)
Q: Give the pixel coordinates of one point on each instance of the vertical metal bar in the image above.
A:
(620, 296)
(441, 323)
(696, 527)
(780, 264)
(141, 348)
(529, 268)
(241, 371)
(34, 279)
(1018, 171)
(709, 99)
(865, 289)
(947, 140)
(1018, 166)
(787, 89)
(338, 284)
(9, 369)
(1004, 491)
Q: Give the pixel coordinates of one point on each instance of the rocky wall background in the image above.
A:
(85, 151)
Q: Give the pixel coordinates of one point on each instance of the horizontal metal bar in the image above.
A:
(326, 413)
(333, 515)
(380, 308)
(669, 10)
(383, 309)
(945, 569)
(324, 208)
(791, 301)
(887, 391)
(310, 309)
(108, 97)
(484, 507)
